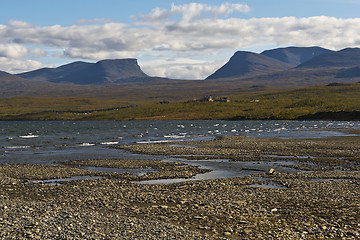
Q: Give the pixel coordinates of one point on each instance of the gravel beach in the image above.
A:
(319, 201)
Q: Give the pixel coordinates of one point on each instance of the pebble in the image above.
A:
(319, 204)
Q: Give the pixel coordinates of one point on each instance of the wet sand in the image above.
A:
(322, 200)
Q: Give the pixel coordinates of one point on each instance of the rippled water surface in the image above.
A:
(53, 141)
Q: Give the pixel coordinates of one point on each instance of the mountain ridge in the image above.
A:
(105, 80)
(347, 57)
(295, 55)
(102, 72)
(244, 63)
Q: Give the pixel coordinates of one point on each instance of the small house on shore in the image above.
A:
(217, 99)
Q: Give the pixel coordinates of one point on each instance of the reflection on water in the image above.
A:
(223, 168)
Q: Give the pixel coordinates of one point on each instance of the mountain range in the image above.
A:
(271, 69)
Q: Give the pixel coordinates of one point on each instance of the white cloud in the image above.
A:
(91, 54)
(12, 50)
(190, 11)
(18, 65)
(37, 52)
(93, 21)
(182, 32)
(19, 24)
(180, 68)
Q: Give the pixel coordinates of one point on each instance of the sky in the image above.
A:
(177, 39)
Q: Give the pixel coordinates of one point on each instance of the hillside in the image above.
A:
(248, 63)
(349, 73)
(295, 55)
(9, 78)
(348, 57)
(334, 101)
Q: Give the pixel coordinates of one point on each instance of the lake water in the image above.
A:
(52, 142)
(49, 142)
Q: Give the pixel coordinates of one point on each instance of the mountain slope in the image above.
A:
(244, 63)
(47, 74)
(102, 72)
(349, 73)
(295, 55)
(6, 77)
(348, 57)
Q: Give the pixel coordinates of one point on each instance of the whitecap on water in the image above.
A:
(86, 144)
(174, 136)
(30, 135)
(109, 143)
(17, 147)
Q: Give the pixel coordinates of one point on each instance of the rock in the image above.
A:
(274, 210)
(246, 231)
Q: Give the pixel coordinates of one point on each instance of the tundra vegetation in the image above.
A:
(332, 99)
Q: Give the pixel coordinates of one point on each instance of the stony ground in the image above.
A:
(320, 203)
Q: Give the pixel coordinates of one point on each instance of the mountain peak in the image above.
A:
(244, 63)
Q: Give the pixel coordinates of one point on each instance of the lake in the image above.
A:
(49, 142)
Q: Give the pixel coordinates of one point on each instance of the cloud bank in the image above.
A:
(187, 41)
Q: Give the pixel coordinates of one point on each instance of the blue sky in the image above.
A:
(176, 39)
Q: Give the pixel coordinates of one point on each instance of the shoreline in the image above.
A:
(340, 116)
(321, 201)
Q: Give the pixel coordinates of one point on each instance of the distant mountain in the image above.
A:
(102, 72)
(53, 74)
(6, 77)
(346, 58)
(349, 73)
(295, 55)
(245, 71)
(244, 63)
(12, 85)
